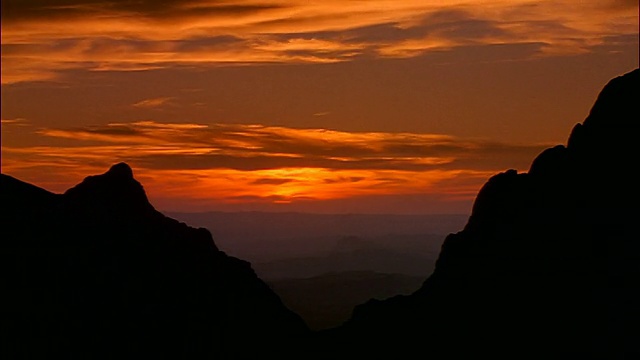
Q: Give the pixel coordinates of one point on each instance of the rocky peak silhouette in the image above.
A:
(615, 110)
(98, 273)
(548, 265)
(115, 191)
(120, 170)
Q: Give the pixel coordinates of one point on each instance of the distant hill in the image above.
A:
(547, 266)
(327, 300)
(408, 255)
(98, 273)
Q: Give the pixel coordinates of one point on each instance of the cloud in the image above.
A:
(268, 181)
(256, 147)
(15, 122)
(153, 103)
(30, 10)
(230, 163)
(41, 40)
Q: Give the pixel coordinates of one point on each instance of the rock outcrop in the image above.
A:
(98, 273)
(548, 265)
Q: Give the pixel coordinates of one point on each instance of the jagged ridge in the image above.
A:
(548, 265)
(97, 272)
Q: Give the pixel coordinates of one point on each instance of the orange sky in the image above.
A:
(328, 106)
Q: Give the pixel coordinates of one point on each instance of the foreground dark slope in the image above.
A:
(97, 272)
(548, 265)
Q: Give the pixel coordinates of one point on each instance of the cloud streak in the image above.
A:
(40, 40)
(235, 162)
(259, 147)
(152, 103)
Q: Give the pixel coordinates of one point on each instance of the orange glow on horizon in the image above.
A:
(289, 185)
(234, 164)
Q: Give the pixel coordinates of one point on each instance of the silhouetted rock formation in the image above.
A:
(548, 265)
(97, 272)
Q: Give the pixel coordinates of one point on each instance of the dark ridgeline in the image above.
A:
(97, 272)
(548, 265)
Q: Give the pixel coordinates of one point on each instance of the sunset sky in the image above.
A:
(390, 106)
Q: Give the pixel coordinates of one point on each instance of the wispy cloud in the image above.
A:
(39, 39)
(255, 147)
(15, 122)
(153, 103)
(231, 162)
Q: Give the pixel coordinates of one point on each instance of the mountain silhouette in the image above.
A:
(548, 265)
(98, 273)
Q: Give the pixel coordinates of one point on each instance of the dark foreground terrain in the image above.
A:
(547, 266)
(97, 272)
(326, 301)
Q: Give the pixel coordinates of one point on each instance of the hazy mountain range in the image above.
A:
(346, 259)
(264, 236)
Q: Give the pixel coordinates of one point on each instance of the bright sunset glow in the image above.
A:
(236, 163)
(283, 102)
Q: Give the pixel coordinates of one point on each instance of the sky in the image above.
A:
(389, 106)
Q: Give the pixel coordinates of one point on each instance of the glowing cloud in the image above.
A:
(235, 163)
(39, 40)
(152, 103)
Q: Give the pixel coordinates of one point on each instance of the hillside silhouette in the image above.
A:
(98, 273)
(548, 265)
